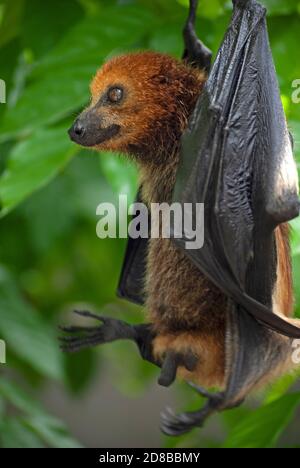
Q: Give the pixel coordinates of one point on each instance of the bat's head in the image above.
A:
(140, 103)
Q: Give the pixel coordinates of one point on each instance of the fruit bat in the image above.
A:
(236, 158)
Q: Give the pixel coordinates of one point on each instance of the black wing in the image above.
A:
(131, 282)
(237, 159)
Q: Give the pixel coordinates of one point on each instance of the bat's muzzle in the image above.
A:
(87, 130)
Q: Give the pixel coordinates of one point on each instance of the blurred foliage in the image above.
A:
(51, 259)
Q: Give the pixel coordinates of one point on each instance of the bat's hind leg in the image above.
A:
(176, 425)
(77, 338)
(195, 53)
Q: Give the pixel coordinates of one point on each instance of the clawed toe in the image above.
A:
(85, 337)
(86, 313)
(73, 344)
(74, 329)
(175, 425)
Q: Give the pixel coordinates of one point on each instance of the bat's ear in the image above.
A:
(161, 79)
(195, 52)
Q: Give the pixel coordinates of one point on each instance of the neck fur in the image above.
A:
(158, 180)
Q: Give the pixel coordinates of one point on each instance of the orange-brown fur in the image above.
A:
(283, 294)
(188, 312)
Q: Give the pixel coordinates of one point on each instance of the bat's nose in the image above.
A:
(87, 129)
(79, 128)
(77, 131)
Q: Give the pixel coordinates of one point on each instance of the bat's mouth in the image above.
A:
(90, 134)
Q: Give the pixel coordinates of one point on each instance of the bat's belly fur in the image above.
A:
(187, 311)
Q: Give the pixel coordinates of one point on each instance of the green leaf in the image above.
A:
(32, 164)
(12, 392)
(167, 39)
(80, 368)
(295, 224)
(295, 129)
(281, 387)
(232, 417)
(120, 173)
(18, 398)
(26, 333)
(262, 428)
(214, 8)
(52, 432)
(10, 26)
(208, 8)
(45, 23)
(283, 38)
(9, 57)
(16, 434)
(40, 425)
(281, 7)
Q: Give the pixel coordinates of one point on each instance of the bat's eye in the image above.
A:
(115, 94)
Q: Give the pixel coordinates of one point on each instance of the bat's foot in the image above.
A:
(86, 337)
(195, 51)
(176, 425)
